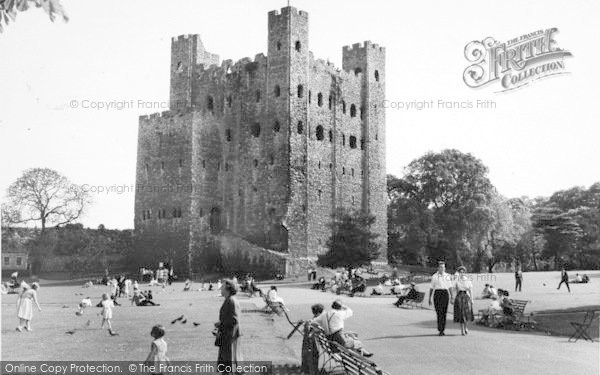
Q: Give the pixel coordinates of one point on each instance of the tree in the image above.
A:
(441, 205)
(44, 195)
(352, 243)
(9, 9)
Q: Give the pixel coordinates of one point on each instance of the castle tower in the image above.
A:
(368, 60)
(289, 64)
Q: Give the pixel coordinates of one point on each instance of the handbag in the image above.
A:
(218, 337)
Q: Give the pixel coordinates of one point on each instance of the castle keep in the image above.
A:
(256, 155)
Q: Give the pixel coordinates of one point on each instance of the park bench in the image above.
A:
(323, 356)
(518, 320)
(582, 327)
(415, 302)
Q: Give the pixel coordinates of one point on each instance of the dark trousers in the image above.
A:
(440, 301)
(518, 283)
(566, 283)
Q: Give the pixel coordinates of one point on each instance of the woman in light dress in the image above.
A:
(25, 306)
(463, 302)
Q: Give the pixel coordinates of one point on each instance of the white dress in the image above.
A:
(25, 305)
(107, 308)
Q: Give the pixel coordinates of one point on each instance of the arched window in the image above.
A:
(343, 139)
(228, 135)
(277, 91)
(257, 96)
(320, 100)
(362, 112)
(330, 102)
(330, 136)
(271, 159)
(229, 100)
(352, 110)
(278, 46)
(255, 163)
(343, 170)
(298, 46)
(319, 133)
(276, 126)
(343, 107)
(377, 75)
(352, 141)
(300, 127)
(362, 143)
(309, 96)
(210, 103)
(255, 129)
(300, 91)
(357, 71)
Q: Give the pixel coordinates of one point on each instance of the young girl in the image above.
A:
(158, 349)
(25, 302)
(107, 308)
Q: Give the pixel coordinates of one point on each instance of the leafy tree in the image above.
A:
(352, 243)
(44, 195)
(440, 208)
(9, 9)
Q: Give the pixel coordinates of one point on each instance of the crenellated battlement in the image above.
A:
(362, 47)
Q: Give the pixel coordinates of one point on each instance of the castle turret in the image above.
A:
(187, 52)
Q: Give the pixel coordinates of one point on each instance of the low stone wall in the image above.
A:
(240, 256)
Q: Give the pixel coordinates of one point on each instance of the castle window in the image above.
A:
(376, 136)
(210, 103)
(319, 133)
(229, 100)
(203, 163)
(255, 129)
(144, 215)
(343, 139)
(357, 71)
(362, 143)
(257, 96)
(149, 214)
(300, 91)
(309, 96)
(330, 166)
(319, 193)
(353, 200)
(343, 107)
(330, 136)
(226, 167)
(271, 159)
(159, 214)
(319, 164)
(179, 212)
(352, 172)
(352, 110)
(362, 112)
(276, 126)
(300, 127)
(278, 46)
(303, 208)
(298, 46)
(320, 100)
(180, 163)
(277, 91)
(255, 163)
(343, 170)
(352, 141)
(377, 75)
(330, 102)
(174, 212)
(147, 170)
(162, 167)
(228, 135)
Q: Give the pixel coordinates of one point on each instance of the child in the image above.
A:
(107, 308)
(86, 302)
(158, 350)
(187, 286)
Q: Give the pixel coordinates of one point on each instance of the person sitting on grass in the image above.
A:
(332, 323)
(359, 286)
(412, 294)
(85, 303)
(320, 284)
(487, 292)
(585, 279)
(143, 299)
(378, 290)
(578, 279)
(187, 286)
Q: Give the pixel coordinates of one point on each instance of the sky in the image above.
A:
(535, 140)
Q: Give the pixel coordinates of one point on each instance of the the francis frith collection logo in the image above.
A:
(515, 63)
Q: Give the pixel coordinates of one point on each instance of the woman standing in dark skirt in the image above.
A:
(228, 329)
(463, 303)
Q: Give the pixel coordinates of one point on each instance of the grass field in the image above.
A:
(403, 340)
